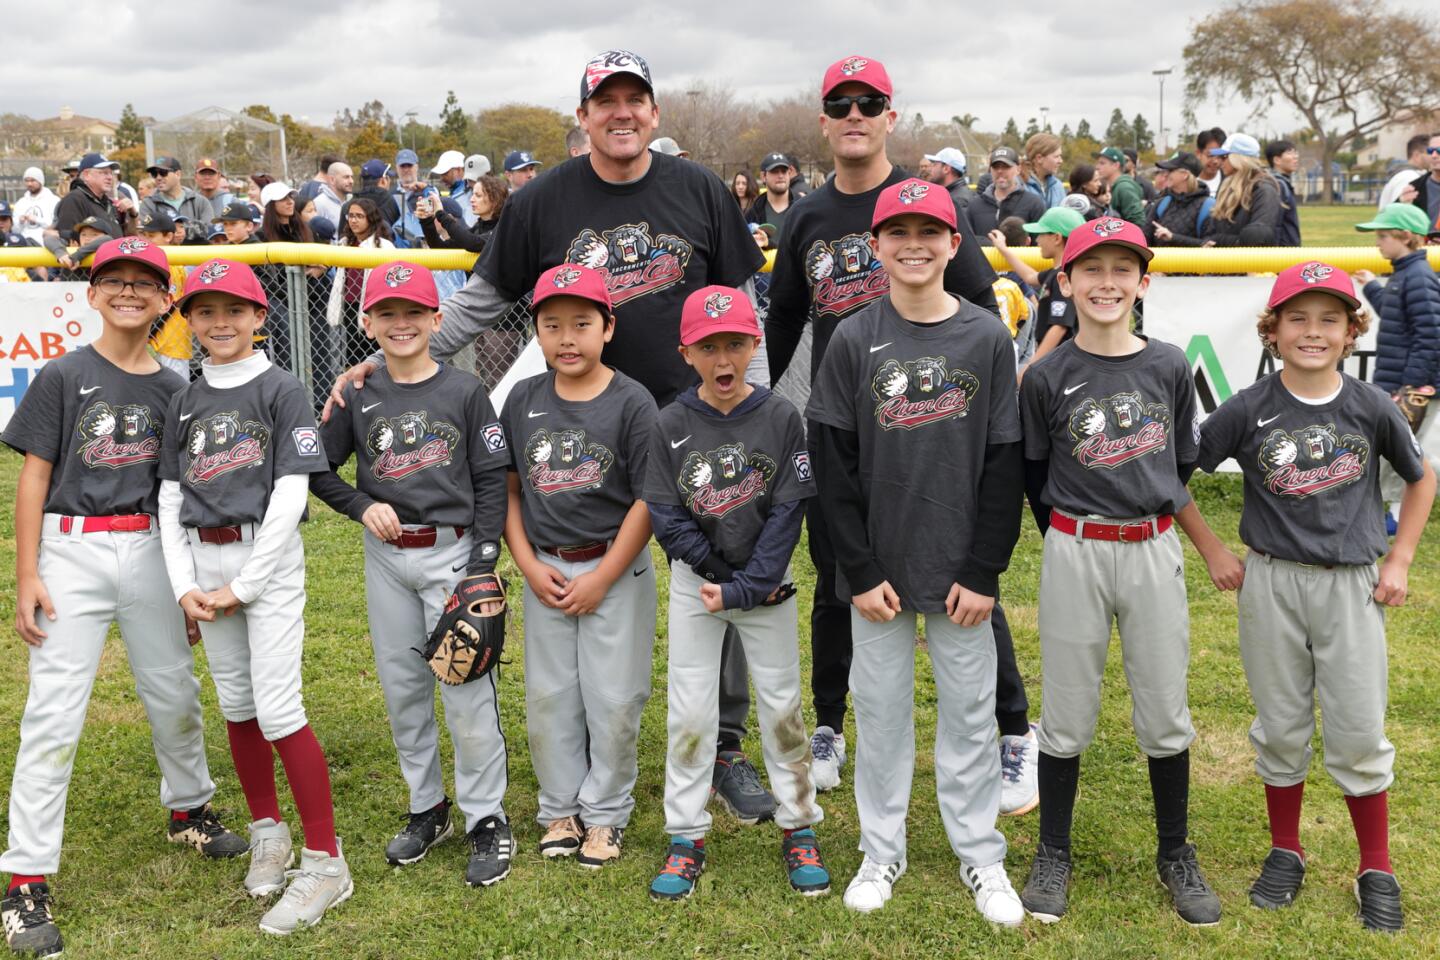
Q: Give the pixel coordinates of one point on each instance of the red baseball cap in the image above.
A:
(402, 280)
(224, 276)
(1313, 275)
(1105, 230)
(717, 309)
(859, 70)
(136, 249)
(914, 196)
(572, 280)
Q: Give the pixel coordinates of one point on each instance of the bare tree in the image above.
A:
(1349, 67)
(707, 120)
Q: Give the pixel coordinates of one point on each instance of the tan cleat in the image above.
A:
(321, 882)
(562, 837)
(602, 845)
(271, 854)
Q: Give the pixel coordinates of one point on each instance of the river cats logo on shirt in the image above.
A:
(118, 436)
(844, 274)
(404, 445)
(632, 263)
(1313, 459)
(724, 479)
(223, 443)
(563, 460)
(1118, 429)
(912, 393)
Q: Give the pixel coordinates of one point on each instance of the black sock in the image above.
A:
(727, 743)
(1015, 724)
(1059, 779)
(1170, 786)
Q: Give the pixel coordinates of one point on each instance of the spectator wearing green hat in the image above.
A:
(1407, 345)
(1055, 314)
(1127, 197)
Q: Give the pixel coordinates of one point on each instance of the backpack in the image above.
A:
(1206, 206)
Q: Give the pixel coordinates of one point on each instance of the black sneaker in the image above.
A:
(1279, 882)
(29, 926)
(202, 829)
(422, 831)
(1377, 892)
(737, 784)
(1045, 893)
(490, 846)
(1196, 903)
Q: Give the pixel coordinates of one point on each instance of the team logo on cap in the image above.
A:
(212, 272)
(913, 192)
(1108, 226)
(1316, 272)
(607, 63)
(1313, 459)
(724, 479)
(717, 305)
(398, 274)
(1117, 429)
(565, 460)
(132, 245)
(853, 66)
(565, 276)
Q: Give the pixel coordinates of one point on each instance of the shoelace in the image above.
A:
(34, 910)
(1049, 875)
(991, 878)
(613, 835)
(872, 872)
(822, 747)
(803, 855)
(418, 824)
(485, 841)
(1012, 762)
(747, 780)
(267, 851)
(1191, 880)
(303, 885)
(679, 865)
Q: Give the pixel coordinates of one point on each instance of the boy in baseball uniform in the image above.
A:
(579, 531)
(88, 555)
(1310, 440)
(430, 461)
(921, 482)
(1110, 441)
(238, 449)
(726, 484)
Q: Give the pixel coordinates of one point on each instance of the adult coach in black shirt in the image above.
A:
(824, 272)
(658, 227)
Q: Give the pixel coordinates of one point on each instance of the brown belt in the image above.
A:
(579, 552)
(420, 537)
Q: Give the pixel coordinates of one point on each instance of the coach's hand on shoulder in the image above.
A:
(584, 593)
(381, 520)
(1394, 582)
(223, 599)
(1227, 571)
(878, 604)
(547, 583)
(711, 596)
(196, 605)
(966, 607)
(30, 595)
(355, 375)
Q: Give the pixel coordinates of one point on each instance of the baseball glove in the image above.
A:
(466, 643)
(1414, 402)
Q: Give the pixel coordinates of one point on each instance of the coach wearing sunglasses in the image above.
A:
(1427, 187)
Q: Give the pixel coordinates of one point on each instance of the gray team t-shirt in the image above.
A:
(924, 401)
(729, 472)
(1312, 477)
(101, 429)
(227, 447)
(581, 463)
(1114, 430)
(418, 446)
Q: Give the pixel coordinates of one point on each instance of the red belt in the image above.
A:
(578, 553)
(120, 523)
(220, 535)
(419, 537)
(1133, 532)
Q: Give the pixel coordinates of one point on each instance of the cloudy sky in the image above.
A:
(311, 58)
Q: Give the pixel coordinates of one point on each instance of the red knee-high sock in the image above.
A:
(255, 768)
(1371, 817)
(1283, 805)
(309, 778)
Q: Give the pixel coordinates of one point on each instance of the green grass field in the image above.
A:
(1334, 225)
(123, 891)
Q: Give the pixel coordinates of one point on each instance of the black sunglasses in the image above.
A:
(870, 104)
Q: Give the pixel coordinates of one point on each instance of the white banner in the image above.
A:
(38, 322)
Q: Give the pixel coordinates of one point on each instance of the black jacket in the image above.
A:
(985, 212)
(462, 237)
(1423, 185)
(383, 200)
(1250, 228)
(1180, 215)
(1287, 231)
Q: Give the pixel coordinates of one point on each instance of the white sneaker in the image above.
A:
(1019, 768)
(872, 886)
(827, 756)
(321, 882)
(270, 856)
(995, 898)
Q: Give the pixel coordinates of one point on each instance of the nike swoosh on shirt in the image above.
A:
(185, 416)
(882, 346)
(86, 391)
(457, 568)
(1261, 423)
(638, 572)
(532, 414)
(1069, 390)
(371, 406)
(675, 444)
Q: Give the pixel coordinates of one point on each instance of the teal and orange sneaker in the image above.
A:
(801, 853)
(683, 864)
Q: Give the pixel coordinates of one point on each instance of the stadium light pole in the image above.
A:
(1044, 118)
(1161, 75)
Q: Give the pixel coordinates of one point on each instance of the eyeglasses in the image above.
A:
(870, 104)
(114, 286)
(1432, 149)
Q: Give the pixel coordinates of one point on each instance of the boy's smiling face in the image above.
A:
(128, 309)
(1104, 284)
(402, 328)
(1312, 331)
(225, 325)
(914, 248)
